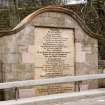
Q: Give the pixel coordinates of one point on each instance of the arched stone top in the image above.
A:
(59, 9)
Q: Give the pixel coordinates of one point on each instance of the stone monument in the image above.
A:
(51, 42)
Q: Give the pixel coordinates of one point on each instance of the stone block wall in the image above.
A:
(14, 47)
(86, 47)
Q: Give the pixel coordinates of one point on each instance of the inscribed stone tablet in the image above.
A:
(54, 57)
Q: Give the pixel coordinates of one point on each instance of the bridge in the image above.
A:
(89, 97)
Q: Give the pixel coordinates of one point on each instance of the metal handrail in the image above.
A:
(59, 80)
(56, 98)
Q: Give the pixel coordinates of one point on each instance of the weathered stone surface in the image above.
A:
(17, 50)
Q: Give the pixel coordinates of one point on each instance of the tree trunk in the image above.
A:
(13, 13)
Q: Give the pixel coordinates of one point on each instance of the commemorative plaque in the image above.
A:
(54, 57)
(42, 46)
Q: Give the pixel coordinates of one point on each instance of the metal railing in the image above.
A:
(66, 79)
(56, 98)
